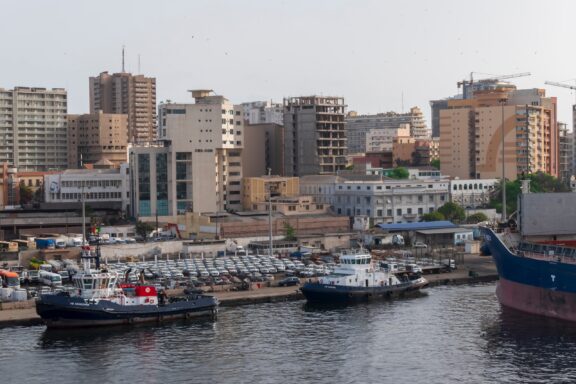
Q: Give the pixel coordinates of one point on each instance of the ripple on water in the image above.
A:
(450, 335)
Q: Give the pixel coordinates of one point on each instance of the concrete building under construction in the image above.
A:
(315, 135)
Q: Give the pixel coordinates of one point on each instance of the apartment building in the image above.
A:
(566, 153)
(95, 137)
(314, 135)
(379, 140)
(263, 150)
(471, 134)
(128, 94)
(197, 167)
(263, 112)
(33, 131)
(472, 193)
(260, 189)
(361, 129)
(382, 200)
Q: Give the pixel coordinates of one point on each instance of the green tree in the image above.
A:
(452, 212)
(433, 216)
(435, 163)
(26, 194)
(539, 182)
(476, 218)
(143, 228)
(289, 232)
(399, 173)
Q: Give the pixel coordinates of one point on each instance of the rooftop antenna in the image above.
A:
(138, 63)
(123, 59)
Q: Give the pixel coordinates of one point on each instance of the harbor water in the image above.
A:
(448, 335)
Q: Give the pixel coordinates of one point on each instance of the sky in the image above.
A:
(379, 55)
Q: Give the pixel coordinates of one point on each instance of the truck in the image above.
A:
(392, 239)
(45, 243)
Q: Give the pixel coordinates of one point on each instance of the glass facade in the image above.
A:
(162, 184)
(144, 185)
(183, 182)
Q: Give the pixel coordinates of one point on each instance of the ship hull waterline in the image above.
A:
(57, 315)
(324, 293)
(536, 301)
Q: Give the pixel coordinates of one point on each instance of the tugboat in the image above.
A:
(358, 279)
(97, 300)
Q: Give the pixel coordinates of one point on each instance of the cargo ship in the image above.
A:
(535, 258)
(98, 300)
(357, 278)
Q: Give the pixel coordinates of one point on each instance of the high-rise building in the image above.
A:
(472, 130)
(263, 112)
(263, 150)
(128, 94)
(95, 137)
(436, 106)
(33, 134)
(314, 135)
(199, 166)
(358, 127)
(566, 153)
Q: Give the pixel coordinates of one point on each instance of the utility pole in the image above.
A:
(83, 215)
(270, 214)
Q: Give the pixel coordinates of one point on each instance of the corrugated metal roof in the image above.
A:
(444, 231)
(416, 226)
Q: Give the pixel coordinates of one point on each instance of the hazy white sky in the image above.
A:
(370, 52)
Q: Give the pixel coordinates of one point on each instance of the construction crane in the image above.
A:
(471, 81)
(556, 84)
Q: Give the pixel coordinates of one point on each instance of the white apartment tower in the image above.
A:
(198, 168)
(33, 128)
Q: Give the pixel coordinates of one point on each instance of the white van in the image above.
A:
(49, 278)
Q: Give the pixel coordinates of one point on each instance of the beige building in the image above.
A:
(378, 140)
(263, 150)
(235, 226)
(471, 134)
(128, 94)
(33, 134)
(198, 166)
(314, 135)
(96, 137)
(258, 189)
(361, 130)
(285, 194)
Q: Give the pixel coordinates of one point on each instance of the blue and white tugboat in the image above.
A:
(98, 300)
(358, 279)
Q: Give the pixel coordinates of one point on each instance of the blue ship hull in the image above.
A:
(544, 287)
(61, 311)
(325, 293)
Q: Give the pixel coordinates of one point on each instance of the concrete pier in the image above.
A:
(474, 269)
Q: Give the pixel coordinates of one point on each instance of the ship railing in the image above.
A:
(547, 257)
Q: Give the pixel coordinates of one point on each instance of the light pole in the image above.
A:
(502, 102)
(83, 214)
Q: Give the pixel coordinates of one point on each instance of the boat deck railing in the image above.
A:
(547, 252)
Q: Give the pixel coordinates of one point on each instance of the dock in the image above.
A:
(474, 269)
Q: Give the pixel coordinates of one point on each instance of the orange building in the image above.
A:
(471, 134)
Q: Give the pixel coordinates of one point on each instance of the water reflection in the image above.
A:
(532, 348)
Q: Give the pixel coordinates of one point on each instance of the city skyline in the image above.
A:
(376, 55)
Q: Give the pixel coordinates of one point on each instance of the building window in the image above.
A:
(399, 211)
(388, 212)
